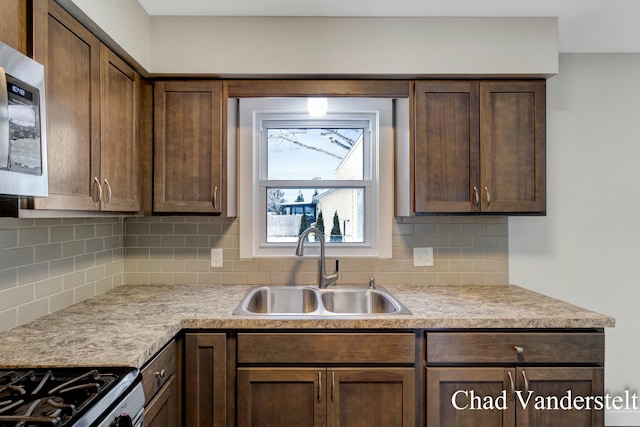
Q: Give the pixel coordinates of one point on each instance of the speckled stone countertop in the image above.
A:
(129, 324)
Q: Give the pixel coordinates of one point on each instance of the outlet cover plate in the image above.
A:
(422, 257)
(216, 258)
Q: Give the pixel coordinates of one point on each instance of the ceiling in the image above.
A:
(584, 25)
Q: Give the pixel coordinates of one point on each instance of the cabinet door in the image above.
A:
(120, 98)
(13, 24)
(188, 147)
(205, 382)
(281, 397)
(449, 396)
(446, 154)
(71, 58)
(162, 411)
(554, 384)
(513, 142)
(371, 397)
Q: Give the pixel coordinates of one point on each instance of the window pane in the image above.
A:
(289, 211)
(314, 153)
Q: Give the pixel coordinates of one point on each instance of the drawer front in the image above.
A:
(506, 347)
(325, 348)
(157, 372)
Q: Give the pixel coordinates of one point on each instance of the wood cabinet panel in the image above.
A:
(71, 58)
(13, 24)
(188, 147)
(479, 146)
(555, 382)
(324, 348)
(162, 411)
(281, 397)
(506, 347)
(120, 110)
(513, 141)
(161, 384)
(371, 397)
(205, 380)
(447, 155)
(443, 383)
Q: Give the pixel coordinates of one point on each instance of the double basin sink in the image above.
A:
(312, 301)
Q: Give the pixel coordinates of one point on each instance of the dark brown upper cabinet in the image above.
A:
(188, 148)
(13, 24)
(479, 146)
(92, 117)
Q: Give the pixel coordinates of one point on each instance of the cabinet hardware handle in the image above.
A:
(99, 187)
(476, 196)
(526, 383)
(107, 199)
(215, 197)
(518, 349)
(512, 386)
(160, 374)
(319, 386)
(486, 190)
(333, 384)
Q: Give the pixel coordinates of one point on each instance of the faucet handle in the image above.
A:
(372, 283)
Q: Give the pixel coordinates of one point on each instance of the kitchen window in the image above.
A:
(334, 172)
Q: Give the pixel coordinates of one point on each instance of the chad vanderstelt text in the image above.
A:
(463, 400)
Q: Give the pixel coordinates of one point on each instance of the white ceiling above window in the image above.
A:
(584, 25)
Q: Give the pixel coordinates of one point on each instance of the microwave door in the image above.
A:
(4, 121)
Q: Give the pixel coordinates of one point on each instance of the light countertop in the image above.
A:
(129, 324)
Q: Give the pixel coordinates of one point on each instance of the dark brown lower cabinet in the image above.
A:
(350, 397)
(162, 411)
(522, 397)
(205, 380)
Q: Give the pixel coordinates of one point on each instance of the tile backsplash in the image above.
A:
(48, 264)
(173, 250)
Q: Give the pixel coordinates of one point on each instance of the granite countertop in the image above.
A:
(128, 325)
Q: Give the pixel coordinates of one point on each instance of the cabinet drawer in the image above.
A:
(506, 347)
(157, 372)
(324, 348)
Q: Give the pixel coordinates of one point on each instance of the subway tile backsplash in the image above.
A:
(173, 250)
(48, 264)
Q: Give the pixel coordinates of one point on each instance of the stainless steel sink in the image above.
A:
(311, 301)
(280, 300)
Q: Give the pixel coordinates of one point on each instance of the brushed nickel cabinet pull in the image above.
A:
(99, 187)
(476, 196)
(486, 190)
(333, 384)
(160, 374)
(319, 386)
(518, 349)
(215, 197)
(512, 386)
(107, 199)
(526, 383)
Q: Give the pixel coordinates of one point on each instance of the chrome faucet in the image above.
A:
(324, 279)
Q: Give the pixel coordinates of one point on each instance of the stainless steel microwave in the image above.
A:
(23, 147)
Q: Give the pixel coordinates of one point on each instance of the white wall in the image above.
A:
(125, 21)
(304, 46)
(587, 249)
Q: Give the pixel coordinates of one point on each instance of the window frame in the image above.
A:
(254, 113)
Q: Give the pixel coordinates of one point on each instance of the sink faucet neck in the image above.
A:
(324, 279)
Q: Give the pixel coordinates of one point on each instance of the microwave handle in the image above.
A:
(4, 120)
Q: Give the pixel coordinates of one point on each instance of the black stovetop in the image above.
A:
(59, 397)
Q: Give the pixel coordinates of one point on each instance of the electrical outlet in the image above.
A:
(216, 258)
(422, 257)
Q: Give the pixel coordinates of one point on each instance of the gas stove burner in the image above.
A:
(54, 397)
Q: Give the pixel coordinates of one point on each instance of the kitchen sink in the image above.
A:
(312, 301)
